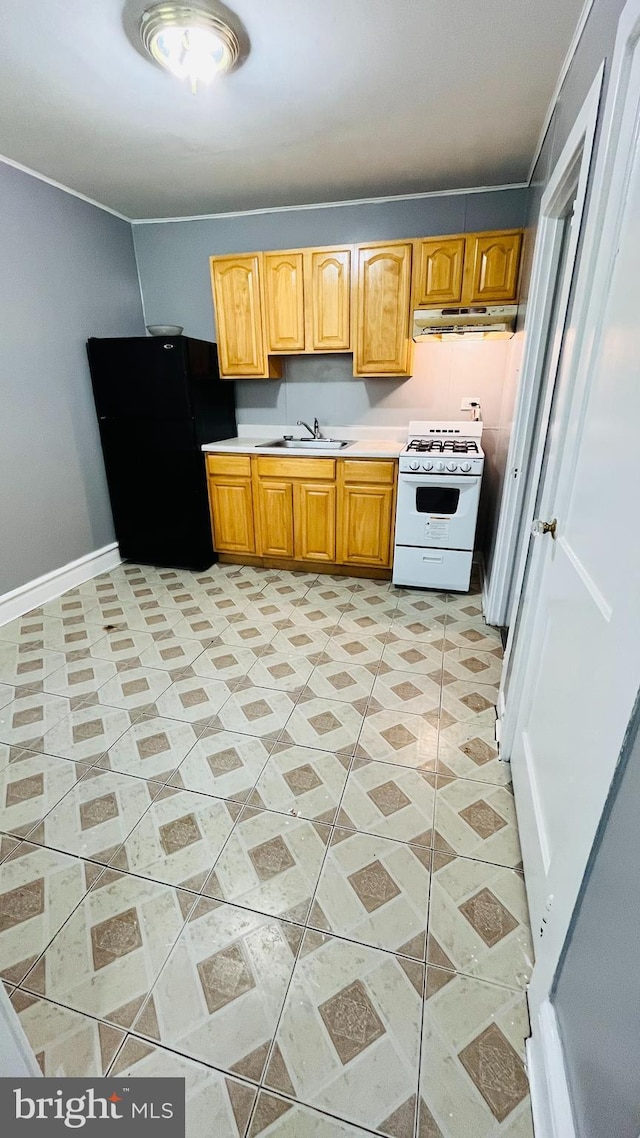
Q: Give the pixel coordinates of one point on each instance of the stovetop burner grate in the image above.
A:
(439, 446)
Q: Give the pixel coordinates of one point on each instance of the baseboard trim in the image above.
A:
(58, 581)
(550, 1098)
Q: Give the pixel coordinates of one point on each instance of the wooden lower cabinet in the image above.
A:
(315, 521)
(232, 514)
(365, 524)
(342, 513)
(274, 506)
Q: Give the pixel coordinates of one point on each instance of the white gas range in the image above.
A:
(438, 495)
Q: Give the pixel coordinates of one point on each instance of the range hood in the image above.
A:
(493, 319)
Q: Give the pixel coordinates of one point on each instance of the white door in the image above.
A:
(576, 656)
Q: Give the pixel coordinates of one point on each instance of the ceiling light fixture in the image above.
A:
(190, 42)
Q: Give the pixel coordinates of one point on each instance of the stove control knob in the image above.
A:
(452, 466)
(427, 466)
(414, 465)
(439, 465)
(466, 466)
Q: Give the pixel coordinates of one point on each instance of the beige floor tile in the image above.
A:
(466, 606)
(106, 958)
(39, 889)
(469, 750)
(301, 781)
(284, 590)
(215, 1103)
(309, 642)
(287, 671)
(322, 617)
(247, 633)
(472, 634)
(361, 623)
(407, 691)
(67, 1044)
(255, 711)
(418, 629)
(407, 656)
(349, 1036)
(426, 606)
(96, 814)
(389, 800)
(369, 601)
(375, 891)
(469, 701)
(134, 687)
(473, 1079)
(122, 647)
(86, 734)
(467, 664)
(194, 700)
(479, 921)
(202, 626)
(171, 653)
(77, 602)
(476, 820)
(146, 617)
(325, 724)
(153, 748)
(396, 737)
(32, 787)
(226, 764)
(332, 595)
(350, 683)
(224, 662)
(62, 633)
(219, 996)
(276, 612)
(271, 863)
(7, 694)
(22, 664)
(276, 1117)
(8, 846)
(82, 677)
(26, 719)
(222, 604)
(178, 839)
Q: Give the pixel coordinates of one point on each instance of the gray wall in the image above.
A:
(68, 272)
(597, 997)
(173, 260)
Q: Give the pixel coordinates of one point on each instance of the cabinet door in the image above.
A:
(236, 294)
(383, 294)
(315, 521)
(275, 517)
(231, 503)
(492, 265)
(329, 300)
(284, 301)
(438, 272)
(366, 523)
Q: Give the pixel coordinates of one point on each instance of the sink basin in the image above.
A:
(308, 444)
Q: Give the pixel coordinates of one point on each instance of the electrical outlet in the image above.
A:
(467, 402)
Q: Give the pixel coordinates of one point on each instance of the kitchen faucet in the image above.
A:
(314, 432)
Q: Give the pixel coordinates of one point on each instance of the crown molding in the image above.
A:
(60, 186)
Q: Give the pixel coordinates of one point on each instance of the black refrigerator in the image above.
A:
(158, 399)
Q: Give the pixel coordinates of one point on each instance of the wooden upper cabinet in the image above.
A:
(492, 267)
(382, 308)
(329, 300)
(438, 271)
(236, 291)
(284, 301)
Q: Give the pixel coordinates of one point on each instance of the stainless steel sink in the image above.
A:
(308, 444)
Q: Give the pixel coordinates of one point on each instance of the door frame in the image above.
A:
(610, 186)
(501, 590)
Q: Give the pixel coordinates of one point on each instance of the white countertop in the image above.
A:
(357, 448)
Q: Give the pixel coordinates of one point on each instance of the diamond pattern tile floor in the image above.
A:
(254, 831)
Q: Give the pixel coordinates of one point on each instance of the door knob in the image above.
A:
(539, 528)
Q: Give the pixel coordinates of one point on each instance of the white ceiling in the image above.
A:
(338, 99)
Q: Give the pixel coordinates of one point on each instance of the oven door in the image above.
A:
(437, 511)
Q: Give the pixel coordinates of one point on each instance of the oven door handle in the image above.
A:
(460, 483)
